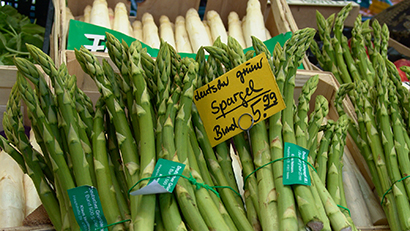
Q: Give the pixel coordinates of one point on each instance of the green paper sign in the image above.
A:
(164, 178)
(87, 208)
(295, 170)
(93, 38)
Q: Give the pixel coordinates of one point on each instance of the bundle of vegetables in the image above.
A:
(381, 105)
(145, 113)
(15, 31)
(270, 204)
(187, 34)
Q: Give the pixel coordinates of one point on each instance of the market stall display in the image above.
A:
(144, 111)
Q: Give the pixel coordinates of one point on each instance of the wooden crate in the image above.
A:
(305, 11)
(8, 78)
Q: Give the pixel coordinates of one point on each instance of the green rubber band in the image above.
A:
(273, 161)
(116, 223)
(391, 187)
(191, 179)
(346, 209)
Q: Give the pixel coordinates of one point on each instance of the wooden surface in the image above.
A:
(33, 228)
(305, 15)
(402, 49)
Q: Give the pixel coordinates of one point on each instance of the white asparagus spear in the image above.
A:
(217, 26)
(137, 28)
(165, 31)
(254, 22)
(111, 15)
(235, 28)
(245, 31)
(196, 30)
(182, 42)
(150, 31)
(87, 13)
(11, 192)
(208, 30)
(68, 16)
(99, 14)
(121, 20)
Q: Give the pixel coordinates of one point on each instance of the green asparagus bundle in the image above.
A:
(284, 202)
(146, 113)
(380, 124)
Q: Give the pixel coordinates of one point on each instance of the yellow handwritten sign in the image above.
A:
(228, 104)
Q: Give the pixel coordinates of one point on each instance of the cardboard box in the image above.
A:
(304, 11)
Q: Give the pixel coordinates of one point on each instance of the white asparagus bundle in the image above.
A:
(12, 201)
(166, 32)
(87, 13)
(150, 31)
(235, 28)
(354, 197)
(196, 30)
(32, 199)
(137, 28)
(208, 30)
(217, 26)
(121, 20)
(181, 36)
(254, 22)
(99, 14)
